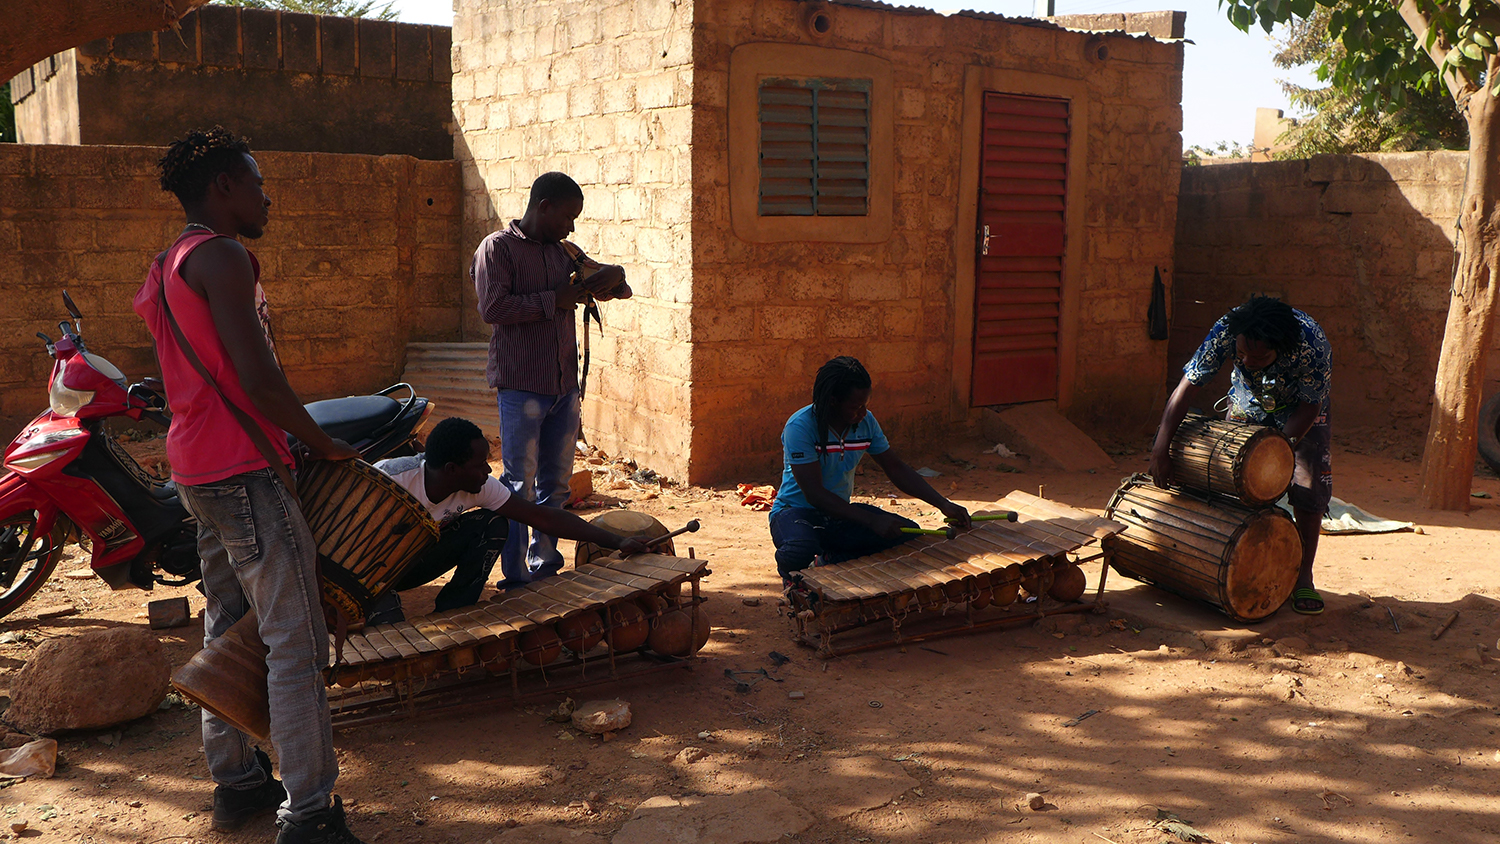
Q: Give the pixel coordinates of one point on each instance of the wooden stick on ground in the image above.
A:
(1443, 628)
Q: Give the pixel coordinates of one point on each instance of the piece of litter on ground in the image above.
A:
(1479, 495)
(796, 695)
(1080, 719)
(1000, 450)
(79, 574)
(933, 473)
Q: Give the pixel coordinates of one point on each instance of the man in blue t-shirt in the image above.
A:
(1282, 370)
(813, 519)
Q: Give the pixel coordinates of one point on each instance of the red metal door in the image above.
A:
(1018, 284)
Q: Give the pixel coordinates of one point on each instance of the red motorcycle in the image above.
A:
(68, 478)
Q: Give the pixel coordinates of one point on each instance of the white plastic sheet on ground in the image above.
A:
(1343, 517)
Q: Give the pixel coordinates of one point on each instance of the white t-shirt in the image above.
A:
(409, 473)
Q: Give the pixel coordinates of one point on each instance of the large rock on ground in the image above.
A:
(545, 834)
(750, 816)
(835, 788)
(89, 682)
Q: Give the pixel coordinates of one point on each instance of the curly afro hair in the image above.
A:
(192, 163)
(1267, 320)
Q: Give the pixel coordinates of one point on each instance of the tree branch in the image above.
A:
(32, 30)
(1460, 85)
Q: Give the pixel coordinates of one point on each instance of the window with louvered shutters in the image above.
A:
(814, 147)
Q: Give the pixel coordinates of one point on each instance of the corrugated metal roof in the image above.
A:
(1039, 23)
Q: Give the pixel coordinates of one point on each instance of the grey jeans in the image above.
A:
(258, 553)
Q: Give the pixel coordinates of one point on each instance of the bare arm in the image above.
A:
(231, 301)
(1171, 420)
(908, 481)
(558, 522)
(809, 477)
(1301, 421)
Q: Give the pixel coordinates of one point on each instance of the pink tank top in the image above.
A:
(205, 443)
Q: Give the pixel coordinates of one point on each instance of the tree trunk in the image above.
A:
(1452, 435)
(32, 30)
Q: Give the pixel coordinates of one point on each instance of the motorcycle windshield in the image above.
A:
(105, 368)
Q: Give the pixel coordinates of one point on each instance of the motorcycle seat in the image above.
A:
(354, 418)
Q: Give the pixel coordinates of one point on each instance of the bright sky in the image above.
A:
(1227, 73)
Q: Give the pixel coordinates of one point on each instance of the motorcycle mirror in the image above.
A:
(72, 308)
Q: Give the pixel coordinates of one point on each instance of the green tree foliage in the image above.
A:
(1223, 150)
(339, 8)
(7, 116)
(1425, 118)
(1384, 57)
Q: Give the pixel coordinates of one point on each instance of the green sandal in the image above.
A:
(1307, 601)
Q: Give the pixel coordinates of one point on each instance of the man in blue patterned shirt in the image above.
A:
(1282, 370)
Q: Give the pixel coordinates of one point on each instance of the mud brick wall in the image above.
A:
(360, 257)
(288, 81)
(1364, 244)
(767, 315)
(697, 374)
(599, 89)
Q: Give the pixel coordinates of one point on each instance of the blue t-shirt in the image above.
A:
(1268, 396)
(837, 456)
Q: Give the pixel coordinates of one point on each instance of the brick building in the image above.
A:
(288, 81)
(786, 181)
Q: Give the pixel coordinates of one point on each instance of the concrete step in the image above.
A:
(1046, 436)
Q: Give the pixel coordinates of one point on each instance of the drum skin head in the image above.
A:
(1266, 469)
(1261, 570)
(629, 523)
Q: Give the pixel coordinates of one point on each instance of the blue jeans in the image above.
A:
(258, 554)
(537, 437)
(801, 533)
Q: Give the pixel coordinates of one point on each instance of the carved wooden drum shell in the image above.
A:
(1243, 561)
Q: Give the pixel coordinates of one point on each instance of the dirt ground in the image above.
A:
(1333, 728)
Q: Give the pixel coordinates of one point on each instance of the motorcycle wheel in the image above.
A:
(26, 560)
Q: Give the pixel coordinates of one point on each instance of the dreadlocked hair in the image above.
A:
(1269, 321)
(835, 380)
(192, 163)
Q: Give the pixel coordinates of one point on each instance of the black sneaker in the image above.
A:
(234, 806)
(325, 827)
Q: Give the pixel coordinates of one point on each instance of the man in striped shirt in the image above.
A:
(523, 277)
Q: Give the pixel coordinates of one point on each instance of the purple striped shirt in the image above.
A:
(534, 344)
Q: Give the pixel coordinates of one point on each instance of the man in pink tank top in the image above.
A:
(258, 554)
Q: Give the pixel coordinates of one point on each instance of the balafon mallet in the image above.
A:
(945, 532)
(690, 527)
(1008, 516)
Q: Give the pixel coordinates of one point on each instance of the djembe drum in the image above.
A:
(369, 531)
(1243, 561)
(1250, 462)
(627, 524)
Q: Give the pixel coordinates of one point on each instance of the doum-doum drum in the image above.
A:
(1242, 560)
(1250, 462)
(369, 530)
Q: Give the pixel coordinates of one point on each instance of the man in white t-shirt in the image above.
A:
(452, 480)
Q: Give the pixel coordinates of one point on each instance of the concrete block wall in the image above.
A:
(288, 81)
(1364, 244)
(360, 257)
(766, 315)
(601, 90)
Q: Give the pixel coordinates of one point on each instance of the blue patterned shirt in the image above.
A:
(1301, 376)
